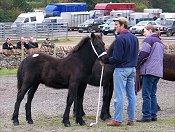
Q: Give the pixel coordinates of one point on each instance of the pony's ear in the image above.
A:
(92, 35)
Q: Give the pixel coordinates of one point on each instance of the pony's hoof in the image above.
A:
(30, 122)
(15, 123)
(81, 122)
(105, 117)
(67, 124)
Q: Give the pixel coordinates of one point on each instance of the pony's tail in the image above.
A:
(20, 76)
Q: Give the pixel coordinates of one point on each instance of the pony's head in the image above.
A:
(98, 46)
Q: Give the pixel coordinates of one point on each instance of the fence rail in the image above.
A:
(39, 31)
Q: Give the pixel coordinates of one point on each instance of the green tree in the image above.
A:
(22, 5)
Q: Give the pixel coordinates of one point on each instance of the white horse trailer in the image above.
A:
(139, 16)
(154, 13)
(74, 18)
(164, 16)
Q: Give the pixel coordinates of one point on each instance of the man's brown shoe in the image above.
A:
(114, 123)
(130, 123)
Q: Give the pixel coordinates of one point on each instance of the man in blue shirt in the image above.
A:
(124, 58)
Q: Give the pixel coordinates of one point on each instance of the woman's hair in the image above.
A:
(150, 27)
(154, 29)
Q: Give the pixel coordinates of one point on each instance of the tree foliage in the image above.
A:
(10, 9)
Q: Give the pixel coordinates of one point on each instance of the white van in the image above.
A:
(30, 17)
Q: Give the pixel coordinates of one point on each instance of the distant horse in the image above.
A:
(71, 73)
(168, 74)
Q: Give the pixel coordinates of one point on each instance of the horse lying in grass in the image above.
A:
(71, 72)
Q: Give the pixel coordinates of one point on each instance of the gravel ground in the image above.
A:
(48, 107)
(49, 104)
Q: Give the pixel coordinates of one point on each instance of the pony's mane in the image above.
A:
(80, 44)
(111, 48)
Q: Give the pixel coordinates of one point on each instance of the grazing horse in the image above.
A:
(168, 74)
(71, 73)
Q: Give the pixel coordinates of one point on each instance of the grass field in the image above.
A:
(7, 71)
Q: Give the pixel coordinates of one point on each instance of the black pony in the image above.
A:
(168, 74)
(69, 73)
(107, 83)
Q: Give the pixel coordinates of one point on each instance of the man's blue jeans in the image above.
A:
(149, 88)
(124, 84)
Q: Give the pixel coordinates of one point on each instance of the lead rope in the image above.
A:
(99, 95)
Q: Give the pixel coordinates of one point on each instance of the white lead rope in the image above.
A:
(99, 95)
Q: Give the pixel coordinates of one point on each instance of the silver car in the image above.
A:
(109, 28)
(139, 27)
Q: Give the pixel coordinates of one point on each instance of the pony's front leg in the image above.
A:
(70, 99)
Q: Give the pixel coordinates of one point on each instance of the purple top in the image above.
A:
(153, 50)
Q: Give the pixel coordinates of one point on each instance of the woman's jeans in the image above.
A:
(149, 88)
(124, 84)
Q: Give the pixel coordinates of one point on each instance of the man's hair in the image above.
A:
(7, 39)
(122, 20)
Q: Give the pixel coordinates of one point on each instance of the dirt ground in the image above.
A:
(48, 107)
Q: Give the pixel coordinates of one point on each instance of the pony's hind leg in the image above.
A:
(107, 95)
(20, 96)
(79, 112)
(30, 96)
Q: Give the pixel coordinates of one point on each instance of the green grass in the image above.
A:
(48, 123)
(8, 71)
(65, 40)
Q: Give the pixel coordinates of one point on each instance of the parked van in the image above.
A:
(30, 17)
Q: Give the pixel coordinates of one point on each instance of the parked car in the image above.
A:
(90, 25)
(139, 27)
(104, 18)
(105, 24)
(169, 27)
(109, 28)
